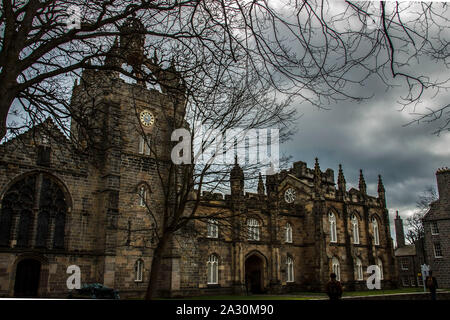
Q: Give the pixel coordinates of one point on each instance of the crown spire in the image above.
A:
(341, 179)
(260, 185)
(362, 183)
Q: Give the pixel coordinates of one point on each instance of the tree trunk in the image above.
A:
(156, 266)
(7, 96)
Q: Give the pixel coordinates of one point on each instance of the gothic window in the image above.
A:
(359, 269)
(290, 269)
(288, 233)
(60, 222)
(380, 265)
(333, 233)
(5, 226)
(253, 229)
(355, 228)
(336, 268)
(376, 234)
(37, 202)
(213, 228)
(42, 228)
(213, 269)
(138, 270)
(25, 228)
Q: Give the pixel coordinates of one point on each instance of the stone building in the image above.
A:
(436, 223)
(61, 207)
(409, 257)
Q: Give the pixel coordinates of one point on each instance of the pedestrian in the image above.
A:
(334, 288)
(432, 285)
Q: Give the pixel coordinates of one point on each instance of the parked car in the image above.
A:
(94, 291)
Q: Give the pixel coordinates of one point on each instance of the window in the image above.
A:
(39, 192)
(359, 270)
(142, 196)
(420, 281)
(290, 269)
(412, 280)
(253, 229)
(404, 263)
(434, 228)
(138, 270)
(355, 228)
(288, 233)
(213, 228)
(335, 267)
(376, 235)
(437, 250)
(333, 234)
(405, 281)
(144, 147)
(213, 269)
(380, 265)
(141, 145)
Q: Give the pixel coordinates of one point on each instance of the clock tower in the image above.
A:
(124, 128)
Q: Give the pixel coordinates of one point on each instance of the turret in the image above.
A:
(260, 186)
(317, 176)
(362, 183)
(399, 233)
(381, 192)
(341, 180)
(237, 180)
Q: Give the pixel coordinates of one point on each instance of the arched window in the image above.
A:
(376, 235)
(213, 228)
(333, 233)
(34, 195)
(142, 191)
(380, 265)
(288, 233)
(253, 229)
(138, 270)
(290, 269)
(213, 269)
(336, 268)
(355, 229)
(359, 269)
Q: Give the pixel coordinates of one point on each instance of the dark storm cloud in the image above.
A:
(372, 136)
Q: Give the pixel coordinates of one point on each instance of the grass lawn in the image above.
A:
(306, 295)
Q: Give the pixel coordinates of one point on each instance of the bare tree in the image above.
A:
(414, 223)
(317, 50)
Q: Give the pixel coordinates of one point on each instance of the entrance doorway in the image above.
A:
(27, 278)
(254, 274)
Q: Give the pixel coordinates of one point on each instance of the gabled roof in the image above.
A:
(51, 126)
(408, 250)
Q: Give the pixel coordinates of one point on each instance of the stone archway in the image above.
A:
(254, 274)
(28, 273)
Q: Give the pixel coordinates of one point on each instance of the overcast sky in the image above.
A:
(371, 136)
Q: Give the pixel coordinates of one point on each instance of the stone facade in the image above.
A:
(97, 206)
(409, 257)
(436, 225)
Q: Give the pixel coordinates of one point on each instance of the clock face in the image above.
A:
(289, 195)
(147, 118)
